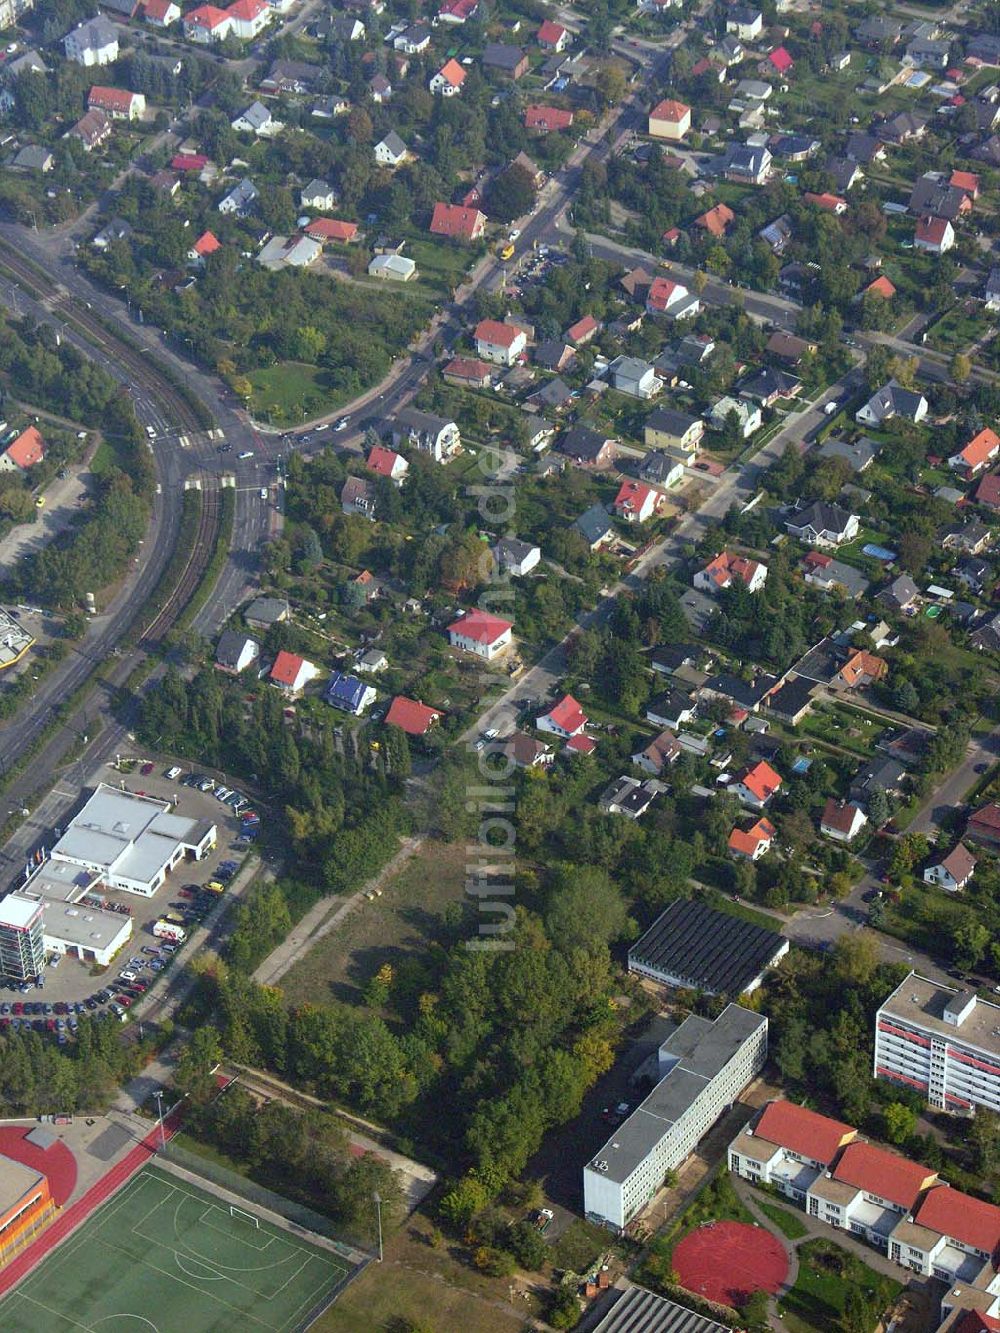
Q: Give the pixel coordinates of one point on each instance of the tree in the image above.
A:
(511, 194)
(900, 1122)
(961, 367)
(199, 1058)
(584, 909)
(970, 942)
(983, 1137)
(878, 807)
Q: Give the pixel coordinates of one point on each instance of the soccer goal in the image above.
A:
(244, 1216)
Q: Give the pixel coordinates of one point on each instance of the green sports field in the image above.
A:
(163, 1256)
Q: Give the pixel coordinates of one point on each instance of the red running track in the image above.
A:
(728, 1261)
(99, 1193)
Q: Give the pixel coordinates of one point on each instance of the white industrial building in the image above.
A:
(942, 1042)
(703, 1067)
(131, 842)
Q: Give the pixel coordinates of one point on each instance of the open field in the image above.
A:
(168, 1256)
(826, 1274)
(399, 924)
(288, 393)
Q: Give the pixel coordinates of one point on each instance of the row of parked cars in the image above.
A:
(227, 795)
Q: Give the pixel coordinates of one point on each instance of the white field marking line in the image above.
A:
(293, 1245)
(211, 1275)
(232, 1235)
(48, 1310)
(140, 1317)
(298, 1272)
(209, 1295)
(306, 1305)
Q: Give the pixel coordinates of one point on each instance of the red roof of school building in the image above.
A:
(332, 229)
(496, 333)
(551, 33)
(547, 118)
(980, 448)
(883, 1174)
(671, 111)
(207, 16)
(761, 781)
(287, 667)
(454, 220)
(961, 1218)
(27, 449)
(988, 490)
(781, 60)
(480, 627)
(412, 717)
(567, 715)
(807, 1133)
(881, 287)
(110, 99)
(206, 244)
(189, 162)
(382, 461)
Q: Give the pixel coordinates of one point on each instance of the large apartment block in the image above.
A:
(703, 1068)
(943, 1042)
(899, 1206)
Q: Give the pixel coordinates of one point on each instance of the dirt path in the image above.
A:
(320, 920)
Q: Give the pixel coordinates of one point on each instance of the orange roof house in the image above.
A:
(415, 718)
(757, 785)
(716, 221)
(967, 181)
(980, 450)
(862, 668)
(332, 229)
(753, 842)
(881, 287)
(24, 452)
(206, 244)
(465, 224)
(809, 1135)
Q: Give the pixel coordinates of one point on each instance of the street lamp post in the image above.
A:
(378, 1210)
(159, 1108)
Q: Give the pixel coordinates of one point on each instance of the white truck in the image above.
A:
(169, 930)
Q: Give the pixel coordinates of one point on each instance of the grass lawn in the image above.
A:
(789, 1224)
(440, 265)
(926, 916)
(578, 1246)
(826, 1274)
(400, 924)
(959, 328)
(291, 392)
(842, 727)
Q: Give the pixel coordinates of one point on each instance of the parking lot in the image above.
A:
(71, 987)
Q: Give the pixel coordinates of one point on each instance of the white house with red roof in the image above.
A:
(756, 785)
(447, 82)
(935, 236)
(552, 36)
(788, 1148)
(670, 119)
(481, 633)
(565, 718)
(413, 717)
(24, 452)
(547, 119)
(636, 502)
(952, 871)
(387, 463)
(842, 820)
(666, 297)
(727, 569)
(332, 229)
(248, 18)
(292, 673)
(869, 1191)
(458, 222)
(207, 24)
(499, 342)
(206, 244)
(161, 13)
(458, 11)
(981, 450)
(118, 103)
(752, 843)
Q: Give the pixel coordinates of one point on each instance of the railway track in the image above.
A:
(197, 562)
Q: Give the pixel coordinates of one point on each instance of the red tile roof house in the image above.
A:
(189, 162)
(984, 825)
(752, 843)
(829, 203)
(583, 330)
(988, 491)
(842, 820)
(416, 719)
(481, 633)
(547, 119)
(636, 502)
(447, 82)
(935, 235)
(565, 718)
(498, 342)
(757, 785)
(332, 229)
(658, 754)
(468, 373)
(967, 181)
(951, 872)
(462, 224)
(881, 1189)
(161, 13)
(24, 452)
(387, 463)
(726, 569)
(981, 450)
(781, 60)
(117, 102)
(91, 129)
(552, 36)
(206, 244)
(717, 220)
(292, 673)
(881, 287)
(526, 751)
(861, 670)
(967, 1223)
